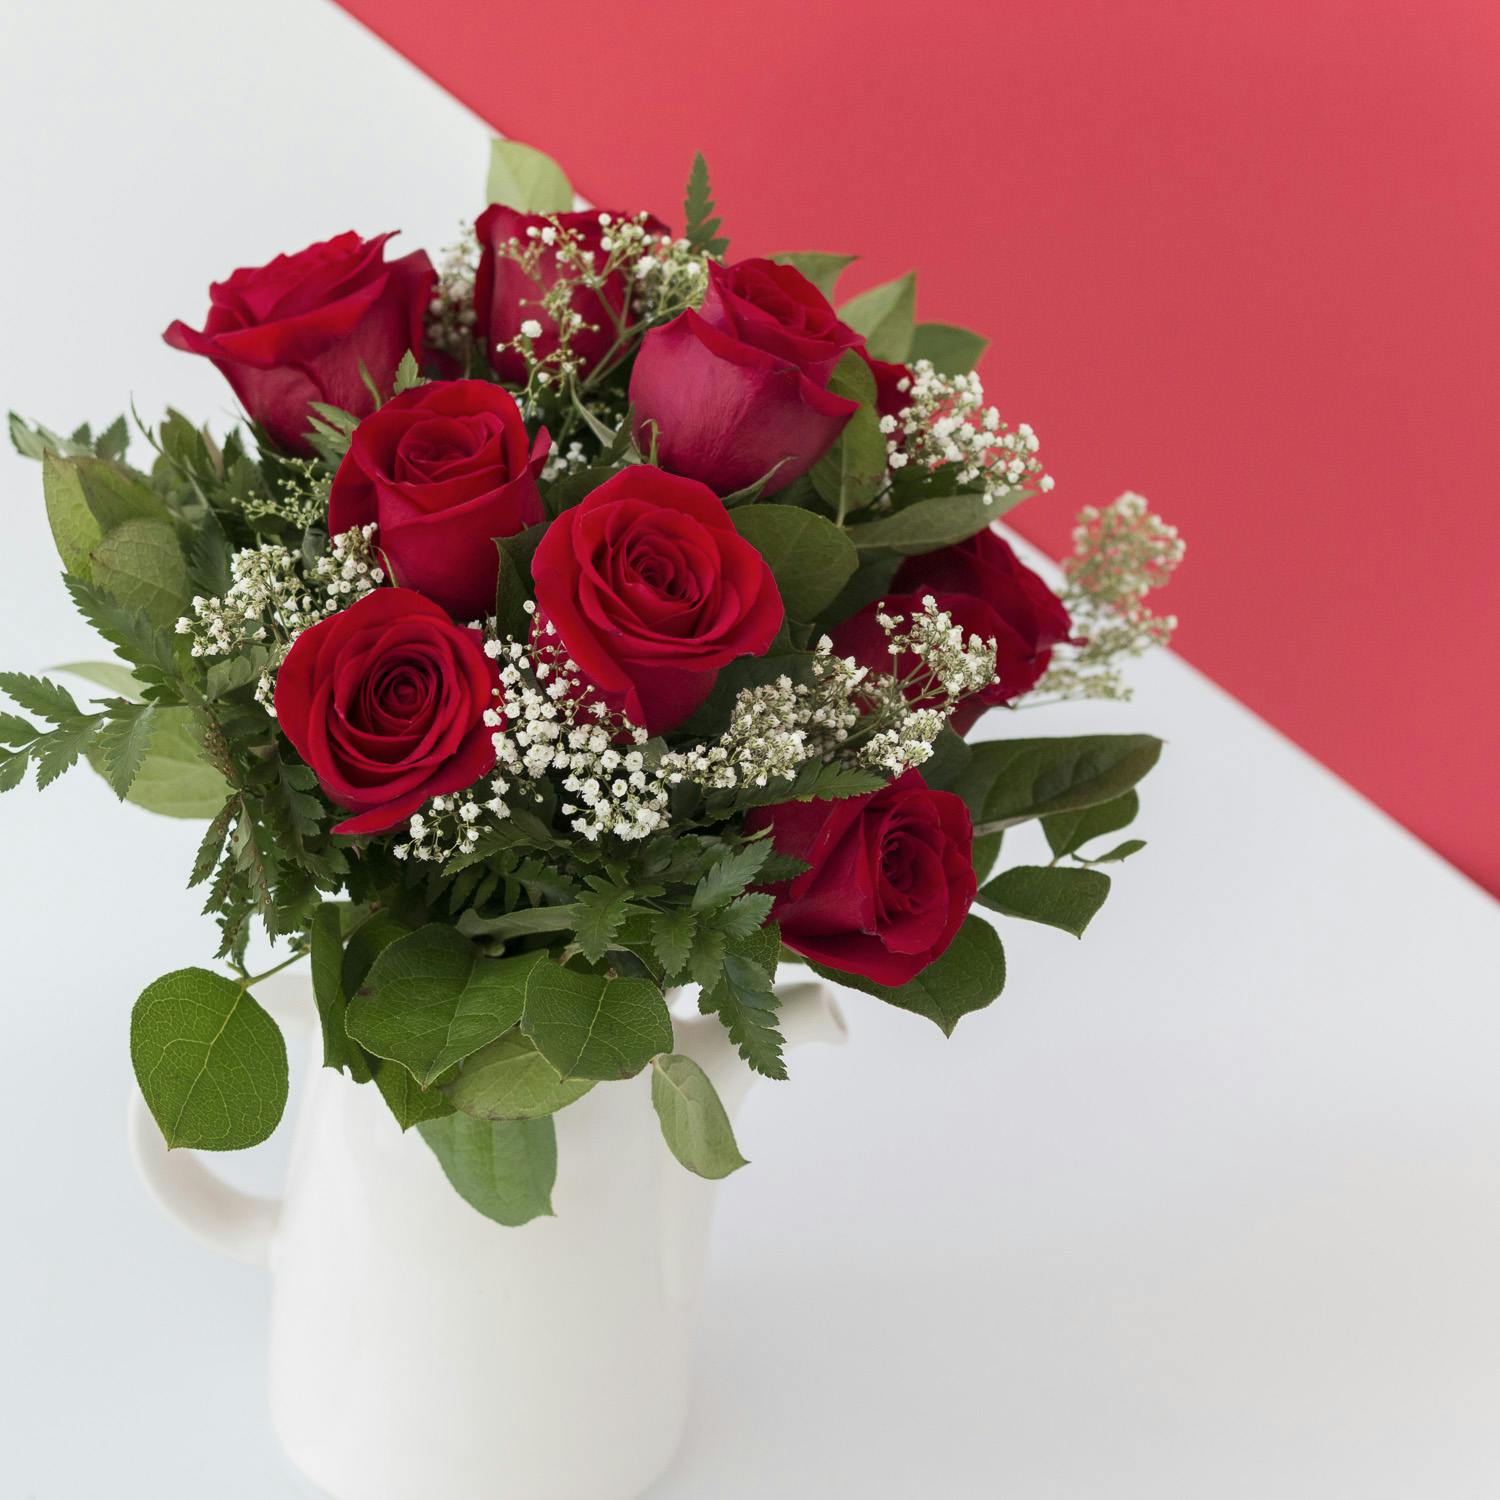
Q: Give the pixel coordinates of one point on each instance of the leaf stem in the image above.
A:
(246, 980)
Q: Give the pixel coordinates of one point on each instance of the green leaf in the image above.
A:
(40, 696)
(408, 374)
(123, 742)
(885, 314)
(701, 228)
(327, 964)
(527, 180)
(589, 1026)
(524, 922)
(809, 556)
(430, 1000)
(1058, 895)
(849, 475)
(111, 675)
(693, 1121)
(1010, 781)
(730, 874)
(409, 1102)
(672, 935)
(503, 1168)
(175, 778)
(210, 1062)
(116, 496)
(74, 530)
(511, 1080)
(743, 996)
(927, 525)
(986, 850)
(1069, 831)
(820, 268)
(140, 565)
(1119, 852)
(950, 349)
(965, 978)
(513, 585)
(600, 913)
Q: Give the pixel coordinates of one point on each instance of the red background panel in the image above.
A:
(1242, 258)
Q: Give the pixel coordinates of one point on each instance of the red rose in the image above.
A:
(991, 593)
(651, 591)
(741, 388)
(385, 701)
(442, 469)
(505, 296)
(299, 329)
(890, 883)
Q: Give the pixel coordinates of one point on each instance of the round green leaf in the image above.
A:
(693, 1121)
(511, 1080)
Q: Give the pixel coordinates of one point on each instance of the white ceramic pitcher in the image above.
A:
(418, 1349)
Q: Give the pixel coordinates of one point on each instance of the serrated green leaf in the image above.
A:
(966, 978)
(590, 1026)
(430, 1000)
(511, 1080)
(175, 779)
(885, 315)
(693, 1121)
(730, 874)
(743, 996)
(744, 914)
(210, 1062)
(41, 696)
(123, 741)
(527, 180)
(820, 268)
(600, 914)
(503, 1168)
(408, 374)
(1057, 895)
(672, 934)
(950, 349)
(140, 565)
(810, 558)
(700, 227)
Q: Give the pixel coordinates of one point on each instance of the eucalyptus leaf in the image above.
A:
(590, 1026)
(693, 1121)
(210, 1062)
(511, 1080)
(527, 180)
(809, 556)
(430, 1000)
(1058, 895)
(967, 977)
(885, 314)
(503, 1168)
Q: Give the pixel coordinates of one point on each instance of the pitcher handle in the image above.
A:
(240, 1225)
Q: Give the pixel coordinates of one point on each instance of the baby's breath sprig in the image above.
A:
(947, 424)
(275, 594)
(450, 313)
(300, 497)
(1120, 554)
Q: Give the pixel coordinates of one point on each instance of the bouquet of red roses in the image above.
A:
(593, 617)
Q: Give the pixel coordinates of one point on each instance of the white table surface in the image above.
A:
(1205, 1206)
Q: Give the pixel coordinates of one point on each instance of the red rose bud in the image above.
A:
(385, 701)
(738, 390)
(506, 296)
(890, 883)
(651, 591)
(991, 593)
(442, 470)
(299, 329)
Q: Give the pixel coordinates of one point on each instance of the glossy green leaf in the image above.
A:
(809, 556)
(1058, 895)
(503, 1168)
(210, 1062)
(693, 1121)
(590, 1026)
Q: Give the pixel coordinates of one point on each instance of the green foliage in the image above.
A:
(430, 1000)
(527, 180)
(700, 225)
(820, 268)
(926, 525)
(810, 557)
(513, 586)
(1010, 781)
(592, 1026)
(693, 1121)
(1059, 895)
(174, 778)
(851, 473)
(743, 996)
(951, 350)
(966, 978)
(1068, 832)
(885, 315)
(408, 1101)
(511, 1080)
(503, 1168)
(210, 1062)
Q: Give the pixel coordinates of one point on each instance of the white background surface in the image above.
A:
(1205, 1206)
